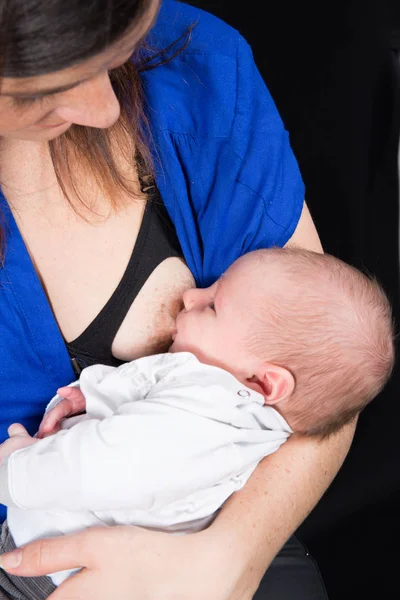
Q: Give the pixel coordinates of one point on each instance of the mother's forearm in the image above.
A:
(280, 494)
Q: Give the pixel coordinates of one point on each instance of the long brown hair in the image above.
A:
(34, 41)
(130, 134)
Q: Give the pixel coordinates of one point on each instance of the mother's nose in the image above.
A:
(93, 103)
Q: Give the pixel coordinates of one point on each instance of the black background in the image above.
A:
(332, 71)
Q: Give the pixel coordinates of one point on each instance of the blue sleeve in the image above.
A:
(268, 168)
(227, 173)
(257, 194)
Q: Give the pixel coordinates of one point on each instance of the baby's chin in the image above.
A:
(171, 348)
(178, 346)
(179, 343)
(175, 347)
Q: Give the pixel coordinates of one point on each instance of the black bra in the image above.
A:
(156, 241)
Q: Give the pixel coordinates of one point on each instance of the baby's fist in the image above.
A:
(73, 403)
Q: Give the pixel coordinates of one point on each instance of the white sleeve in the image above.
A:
(149, 453)
(107, 388)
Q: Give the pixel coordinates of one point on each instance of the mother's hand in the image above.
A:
(131, 563)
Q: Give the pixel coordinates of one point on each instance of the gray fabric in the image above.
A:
(21, 588)
(292, 575)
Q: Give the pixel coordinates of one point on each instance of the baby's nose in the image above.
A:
(190, 298)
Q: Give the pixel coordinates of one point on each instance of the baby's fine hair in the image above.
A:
(331, 326)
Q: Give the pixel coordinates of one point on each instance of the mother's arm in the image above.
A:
(227, 560)
(282, 491)
(305, 235)
(286, 485)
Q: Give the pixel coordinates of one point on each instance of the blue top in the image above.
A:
(228, 179)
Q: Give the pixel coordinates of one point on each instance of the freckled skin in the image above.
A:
(164, 324)
(149, 330)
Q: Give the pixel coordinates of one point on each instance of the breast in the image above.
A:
(150, 322)
(80, 257)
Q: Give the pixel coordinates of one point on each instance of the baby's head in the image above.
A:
(309, 332)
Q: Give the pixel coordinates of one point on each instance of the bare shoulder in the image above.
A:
(305, 234)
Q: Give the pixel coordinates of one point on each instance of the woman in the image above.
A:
(205, 140)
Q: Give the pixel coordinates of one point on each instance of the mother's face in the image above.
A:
(43, 107)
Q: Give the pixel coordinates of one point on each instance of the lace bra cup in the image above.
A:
(156, 241)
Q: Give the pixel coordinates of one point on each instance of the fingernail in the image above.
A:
(11, 560)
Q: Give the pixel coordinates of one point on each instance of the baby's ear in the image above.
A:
(275, 383)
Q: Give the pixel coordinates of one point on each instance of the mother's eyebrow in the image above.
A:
(46, 92)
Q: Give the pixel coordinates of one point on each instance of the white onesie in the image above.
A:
(164, 442)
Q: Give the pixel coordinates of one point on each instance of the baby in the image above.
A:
(285, 341)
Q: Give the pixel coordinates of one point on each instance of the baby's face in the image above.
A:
(215, 321)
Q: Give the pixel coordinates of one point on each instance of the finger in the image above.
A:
(43, 433)
(17, 429)
(74, 588)
(87, 584)
(65, 391)
(62, 410)
(52, 554)
(75, 396)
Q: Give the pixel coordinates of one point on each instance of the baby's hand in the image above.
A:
(73, 403)
(19, 438)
